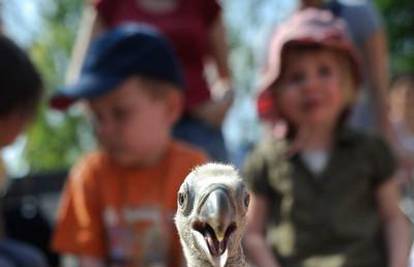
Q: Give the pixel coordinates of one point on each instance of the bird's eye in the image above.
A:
(247, 200)
(182, 199)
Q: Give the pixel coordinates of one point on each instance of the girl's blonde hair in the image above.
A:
(308, 28)
(348, 82)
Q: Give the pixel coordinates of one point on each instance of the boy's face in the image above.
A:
(310, 91)
(132, 125)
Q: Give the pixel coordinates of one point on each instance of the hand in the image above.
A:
(214, 112)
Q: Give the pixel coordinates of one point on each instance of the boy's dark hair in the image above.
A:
(20, 83)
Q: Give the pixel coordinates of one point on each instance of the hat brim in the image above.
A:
(265, 102)
(88, 87)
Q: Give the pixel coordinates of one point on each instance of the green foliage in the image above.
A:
(399, 20)
(56, 139)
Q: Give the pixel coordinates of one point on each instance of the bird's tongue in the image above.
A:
(216, 247)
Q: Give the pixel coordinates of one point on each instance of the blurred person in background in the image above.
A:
(119, 200)
(324, 195)
(20, 94)
(365, 26)
(367, 32)
(196, 30)
(402, 119)
(402, 112)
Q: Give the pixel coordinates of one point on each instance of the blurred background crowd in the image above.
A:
(56, 33)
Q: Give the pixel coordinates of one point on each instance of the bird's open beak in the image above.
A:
(216, 222)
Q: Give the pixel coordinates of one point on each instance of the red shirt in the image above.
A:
(187, 27)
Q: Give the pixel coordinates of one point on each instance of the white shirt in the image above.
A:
(315, 160)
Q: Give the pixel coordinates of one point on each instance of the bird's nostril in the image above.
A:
(230, 230)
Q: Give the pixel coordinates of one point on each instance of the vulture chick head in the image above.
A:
(210, 218)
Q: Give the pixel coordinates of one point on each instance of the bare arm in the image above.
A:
(376, 56)
(219, 50)
(215, 111)
(90, 26)
(257, 250)
(397, 232)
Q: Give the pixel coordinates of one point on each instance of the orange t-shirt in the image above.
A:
(121, 215)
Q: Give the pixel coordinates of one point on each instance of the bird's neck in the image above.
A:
(194, 261)
(237, 259)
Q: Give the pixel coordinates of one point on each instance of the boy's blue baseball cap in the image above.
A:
(130, 49)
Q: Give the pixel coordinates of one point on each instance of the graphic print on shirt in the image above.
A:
(138, 236)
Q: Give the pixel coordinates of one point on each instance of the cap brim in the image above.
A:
(88, 87)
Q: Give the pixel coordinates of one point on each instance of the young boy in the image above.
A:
(325, 196)
(20, 93)
(119, 202)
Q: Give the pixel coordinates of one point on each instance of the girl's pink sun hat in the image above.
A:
(310, 26)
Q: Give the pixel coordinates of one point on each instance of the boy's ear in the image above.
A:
(11, 125)
(175, 105)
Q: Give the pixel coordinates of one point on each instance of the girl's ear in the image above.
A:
(175, 105)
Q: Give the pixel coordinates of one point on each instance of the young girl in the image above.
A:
(324, 197)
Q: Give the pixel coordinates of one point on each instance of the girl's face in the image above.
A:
(310, 89)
